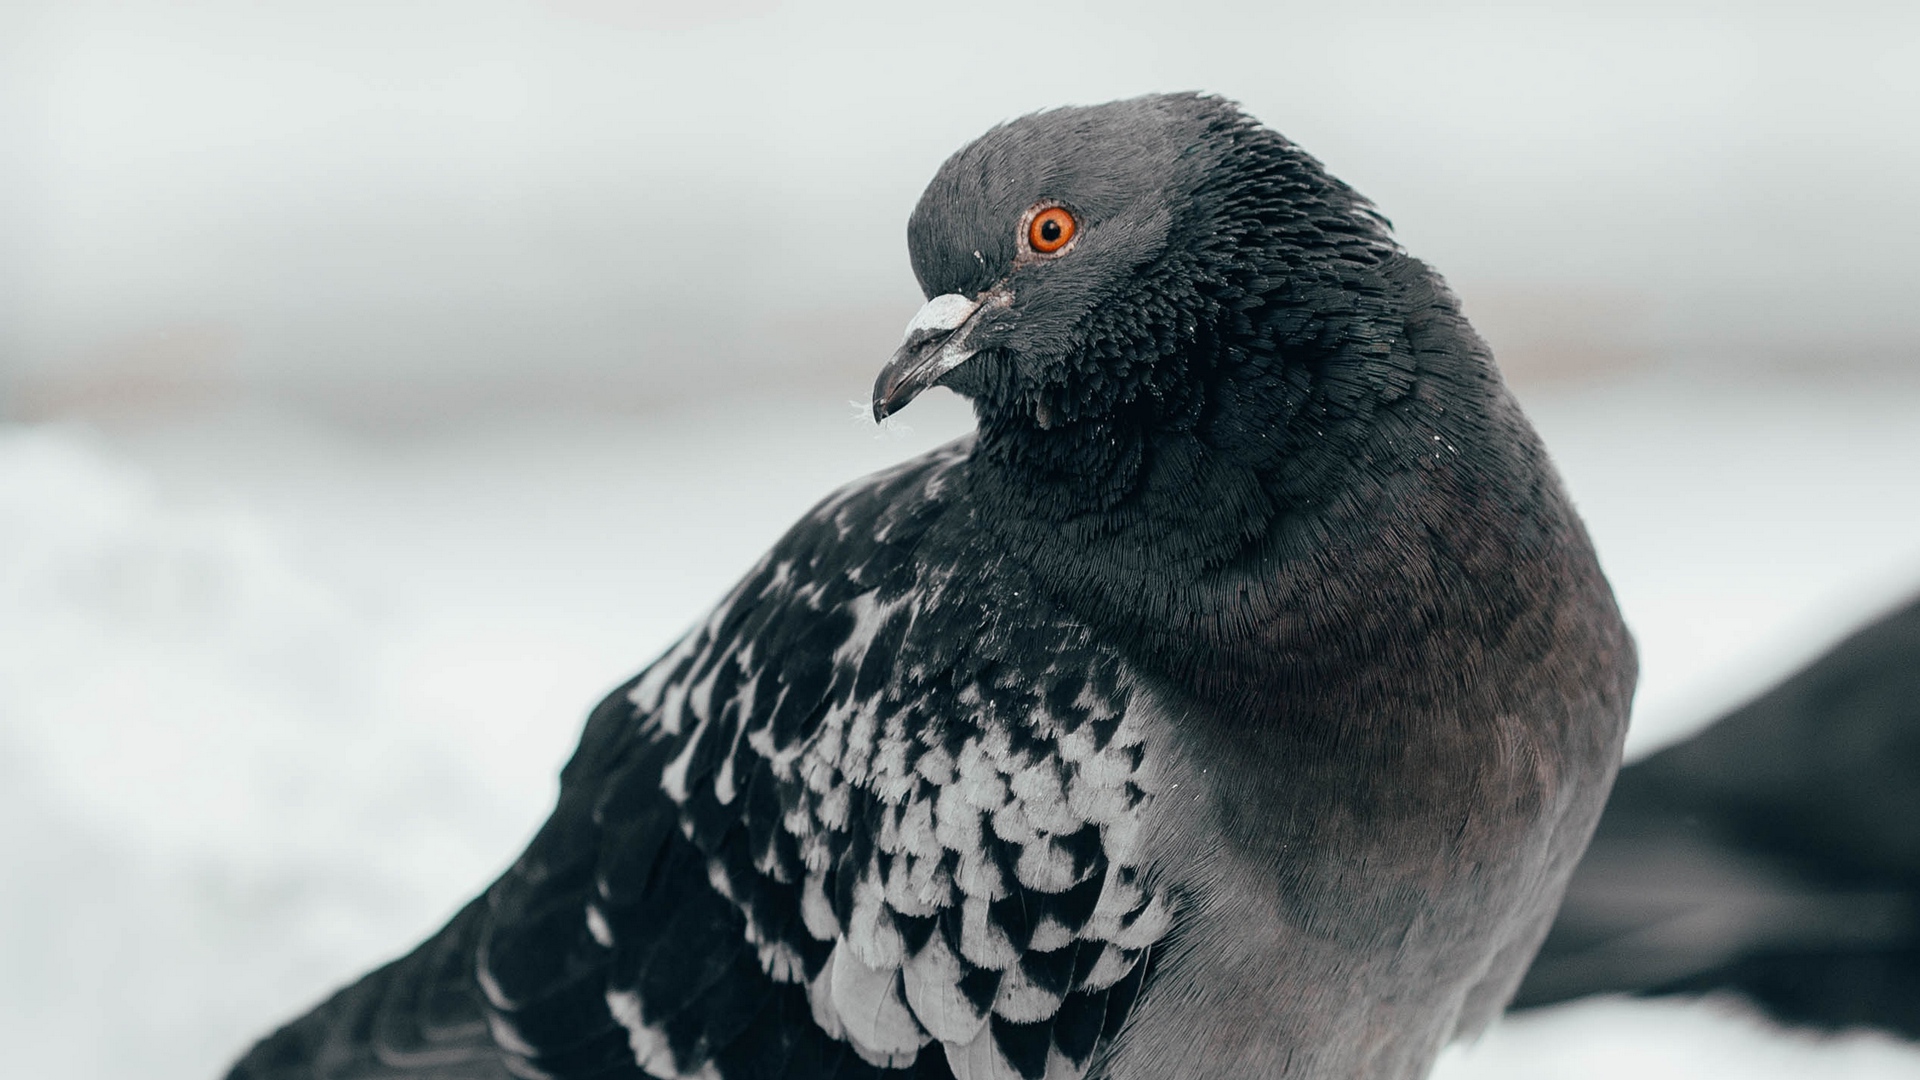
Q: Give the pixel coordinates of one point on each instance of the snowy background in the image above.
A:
(380, 384)
(276, 697)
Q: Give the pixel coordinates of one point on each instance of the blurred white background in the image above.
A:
(379, 383)
(397, 208)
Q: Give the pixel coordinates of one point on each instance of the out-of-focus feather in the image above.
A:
(1776, 854)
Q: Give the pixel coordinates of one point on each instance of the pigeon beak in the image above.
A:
(935, 344)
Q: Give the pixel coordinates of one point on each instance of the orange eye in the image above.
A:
(1050, 230)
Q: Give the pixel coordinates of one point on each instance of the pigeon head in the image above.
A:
(1194, 357)
(1096, 263)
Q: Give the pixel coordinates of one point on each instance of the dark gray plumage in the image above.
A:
(1235, 702)
(1776, 854)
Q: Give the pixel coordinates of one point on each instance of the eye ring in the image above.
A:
(1051, 229)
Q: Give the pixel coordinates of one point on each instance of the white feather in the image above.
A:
(982, 942)
(980, 780)
(1147, 927)
(1021, 1001)
(907, 891)
(815, 912)
(1101, 804)
(1119, 896)
(1045, 866)
(820, 999)
(931, 884)
(932, 984)
(1038, 787)
(870, 931)
(781, 963)
(1060, 1067)
(917, 835)
(979, 1059)
(937, 767)
(872, 1010)
(648, 1043)
(957, 821)
(598, 928)
(977, 876)
(1051, 934)
(1112, 966)
(835, 805)
(1012, 824)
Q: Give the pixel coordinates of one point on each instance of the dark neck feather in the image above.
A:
(1237, 380)
(1288, 417)
(1323, 461)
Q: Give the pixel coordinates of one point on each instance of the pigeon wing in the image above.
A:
(871, 817)
(418, 1018)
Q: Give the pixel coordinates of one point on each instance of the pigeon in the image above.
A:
(1234, 701)
(1775, 855)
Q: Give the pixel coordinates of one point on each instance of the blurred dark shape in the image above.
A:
(1776, 854)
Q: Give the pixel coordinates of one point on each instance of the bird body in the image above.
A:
(1234, 702)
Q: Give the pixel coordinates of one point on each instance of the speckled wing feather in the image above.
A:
(877, 814)
(874, 804)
